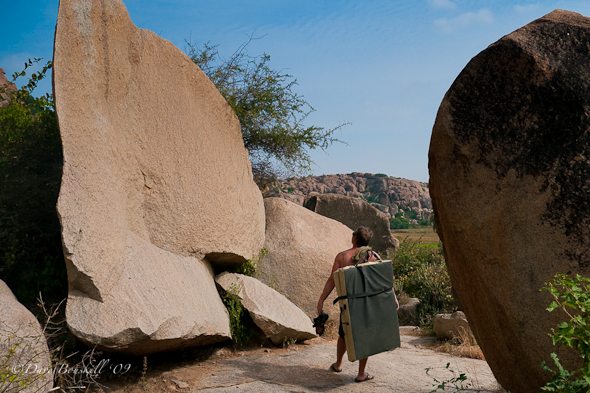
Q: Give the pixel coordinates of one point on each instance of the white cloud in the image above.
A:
(443, 4)
(466, 19)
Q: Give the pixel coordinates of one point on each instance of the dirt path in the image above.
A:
(304, 368)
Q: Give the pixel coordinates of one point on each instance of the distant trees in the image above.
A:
(272, 115)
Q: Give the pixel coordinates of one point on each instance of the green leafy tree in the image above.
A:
(272, 114)
(31, 257)
(571, 296)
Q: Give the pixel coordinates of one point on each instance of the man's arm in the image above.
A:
(329, 285)
(395, 298)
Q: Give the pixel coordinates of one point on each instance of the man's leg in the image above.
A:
(340, 350)
(362, 375)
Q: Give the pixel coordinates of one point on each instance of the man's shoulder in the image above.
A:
(343, 254)
(344, 258)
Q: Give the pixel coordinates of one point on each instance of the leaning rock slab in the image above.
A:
(301, 248)
(354, 212)
(277, 317)
(156, 184)
(509, 179)
(23, 348)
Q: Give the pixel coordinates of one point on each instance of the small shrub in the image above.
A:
(249, 268)
(288, 341)
(571, 295)
(454, 381)
(19, 361)
(238, 321)
(420, 271)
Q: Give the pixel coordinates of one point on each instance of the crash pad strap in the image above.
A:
(363, 294)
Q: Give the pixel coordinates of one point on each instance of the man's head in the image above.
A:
(362, 236)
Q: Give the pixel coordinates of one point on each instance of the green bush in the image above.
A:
(249, 268)
(31, 257)
(571, 295)
(400, 223)
(420, 271)
(239, 320)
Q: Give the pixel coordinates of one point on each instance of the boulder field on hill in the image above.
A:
(157, 188)
(392, 195)
(509, 169)
(5, 88)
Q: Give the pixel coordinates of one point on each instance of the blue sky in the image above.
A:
(381, 65)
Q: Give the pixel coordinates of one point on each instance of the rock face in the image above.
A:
(301, 248)
(273, 313)
(510, 181)
(30, 363)
(448, 326)
(392, 195)
(156, 185)
(354, 212)
(5, 88)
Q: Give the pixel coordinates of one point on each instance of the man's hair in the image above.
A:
(362, 236)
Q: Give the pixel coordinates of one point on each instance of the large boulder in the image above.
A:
(354, 212)
(6, 88)
(23, 349)
(156, 185)
(301, 248)
(509, 178)
(277, 317)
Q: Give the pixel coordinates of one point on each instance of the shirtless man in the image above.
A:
(360, 238)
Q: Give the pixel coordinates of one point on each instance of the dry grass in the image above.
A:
(415, 331)
(421, 235)
(464, 346)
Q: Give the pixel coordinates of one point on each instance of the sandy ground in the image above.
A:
(304, 368)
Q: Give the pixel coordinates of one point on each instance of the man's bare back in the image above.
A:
(346, 258)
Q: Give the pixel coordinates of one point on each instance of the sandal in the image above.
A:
(367, 378)
(333, 368)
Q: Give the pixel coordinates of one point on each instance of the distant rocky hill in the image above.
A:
(5, 88)
(392, 195)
